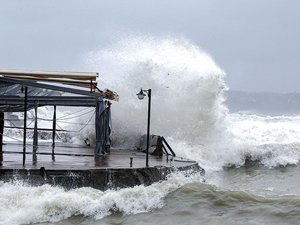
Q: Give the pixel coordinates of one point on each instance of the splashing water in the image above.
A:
(187, 103)
(187, 92)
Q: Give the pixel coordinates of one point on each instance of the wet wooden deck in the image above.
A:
(75, 167)
(72, 157)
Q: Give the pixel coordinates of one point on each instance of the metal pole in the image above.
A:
(148, 127)
(1, 136)
(53, 132)
(25, 124)
(97, 121)
(35, 135)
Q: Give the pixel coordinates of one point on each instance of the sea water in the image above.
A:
(251, 160)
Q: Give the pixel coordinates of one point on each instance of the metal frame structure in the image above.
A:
(65, 83)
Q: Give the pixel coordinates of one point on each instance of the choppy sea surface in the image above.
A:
(251, 160)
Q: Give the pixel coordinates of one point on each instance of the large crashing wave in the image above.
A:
(187, 89)
(187, 102)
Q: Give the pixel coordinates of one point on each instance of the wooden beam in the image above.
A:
(79, 83)
(51, 74)
(48, 86)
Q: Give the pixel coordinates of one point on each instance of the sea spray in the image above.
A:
(187, 103)
(187, 91)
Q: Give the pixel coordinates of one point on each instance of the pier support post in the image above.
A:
(1, 136)
(53, 132)
(35, 136)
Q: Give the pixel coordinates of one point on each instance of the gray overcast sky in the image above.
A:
(256, 42)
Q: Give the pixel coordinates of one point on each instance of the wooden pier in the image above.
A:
(77, 166)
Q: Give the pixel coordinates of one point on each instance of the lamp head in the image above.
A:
(141, 95)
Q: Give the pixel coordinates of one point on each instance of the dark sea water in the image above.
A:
(251, 160)
(248, 195)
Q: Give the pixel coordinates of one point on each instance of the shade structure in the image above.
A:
(53, 88)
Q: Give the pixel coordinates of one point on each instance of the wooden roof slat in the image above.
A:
(51, 74)
(48, 86)
(79, 83)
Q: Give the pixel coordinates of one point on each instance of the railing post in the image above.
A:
(169, 147)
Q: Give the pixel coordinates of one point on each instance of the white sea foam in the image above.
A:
(22, 204)
(273, 140)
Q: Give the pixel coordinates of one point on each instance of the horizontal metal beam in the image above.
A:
(49, 100)
(31, 128)
(40, 98)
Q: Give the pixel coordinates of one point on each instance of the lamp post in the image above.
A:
(141, 96)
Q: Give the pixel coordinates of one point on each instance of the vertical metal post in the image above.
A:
(53, 132)
(1, 136)
(148, 127)
(25, 124)
(35, 135)
(100, 130)
(97, 128)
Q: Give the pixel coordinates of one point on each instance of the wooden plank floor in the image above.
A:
(72, 157)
